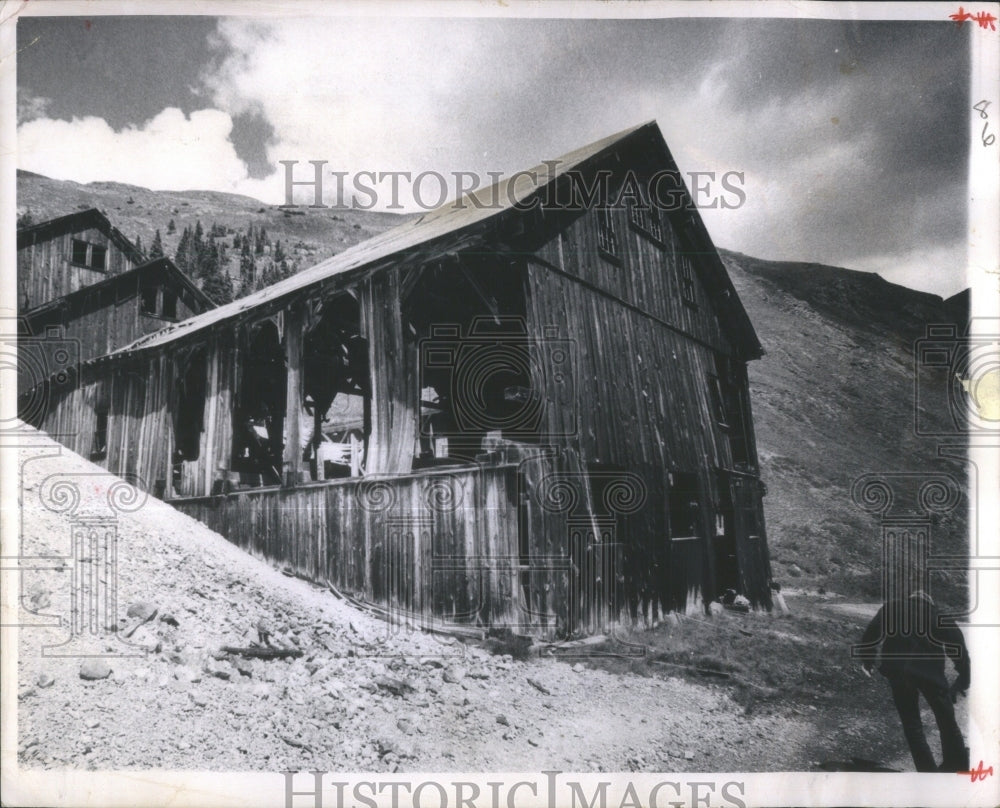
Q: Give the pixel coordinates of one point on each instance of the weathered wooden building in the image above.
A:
(85, 291)
(66, 254)
(545, 390)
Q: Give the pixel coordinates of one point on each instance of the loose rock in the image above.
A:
(453, 674)
(142, 610)
(95, 669)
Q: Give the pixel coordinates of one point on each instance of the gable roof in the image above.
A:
(74, 222)
(453, 224)
(164, 265)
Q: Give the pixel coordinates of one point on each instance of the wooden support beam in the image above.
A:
(393, 373)
(292, 458)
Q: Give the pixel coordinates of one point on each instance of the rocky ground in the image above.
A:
(362, 695)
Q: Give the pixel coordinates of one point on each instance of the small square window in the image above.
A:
(98, 257)
(80, 252)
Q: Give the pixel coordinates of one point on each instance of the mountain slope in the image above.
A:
(311, 235)
(833, 399)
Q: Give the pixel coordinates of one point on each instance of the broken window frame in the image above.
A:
(608, 244)
(718, 401)
(645, 219)
(685, 274)
(730, 400)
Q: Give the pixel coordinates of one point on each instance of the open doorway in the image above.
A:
(189, 413)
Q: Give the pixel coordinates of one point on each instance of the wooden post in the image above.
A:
(392, 385)
(292, 458)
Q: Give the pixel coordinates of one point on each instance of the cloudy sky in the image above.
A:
(853, 137)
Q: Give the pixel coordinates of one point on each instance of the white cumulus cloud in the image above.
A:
(169, 152)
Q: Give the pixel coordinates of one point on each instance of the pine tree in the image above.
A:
(248, 270)
(183, 256)
(217, 285)
(171, 227)
(156, 250)
(219, 288)
(138, 246)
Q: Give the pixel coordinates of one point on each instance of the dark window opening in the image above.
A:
(718, 401)
(686, 268)
(99, 446)
(607, 238)
(125, 288)
(80, 250)
(192, 387)
(169, 304)
(480, 384)
(147, 297)
(259, 410)
(728, 391)
(684, 503)
(336, 423)
(727, 570)
(98, 257)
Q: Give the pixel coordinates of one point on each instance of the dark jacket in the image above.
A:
(908, 637)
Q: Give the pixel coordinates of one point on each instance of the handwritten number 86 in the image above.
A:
(988, 139)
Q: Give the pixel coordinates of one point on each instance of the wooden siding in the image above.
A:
(222, 356)
(101, 323)
(647, 275)
(45, 270)
(435, 545)
(636, 397)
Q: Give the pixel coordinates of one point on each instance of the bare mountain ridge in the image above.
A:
(832, 397)
(309, 235)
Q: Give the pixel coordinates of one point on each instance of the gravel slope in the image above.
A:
(361, 696)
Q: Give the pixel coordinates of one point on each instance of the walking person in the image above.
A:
(906, 637)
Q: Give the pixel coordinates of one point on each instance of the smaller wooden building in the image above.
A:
(84, 291)
(66, 254)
